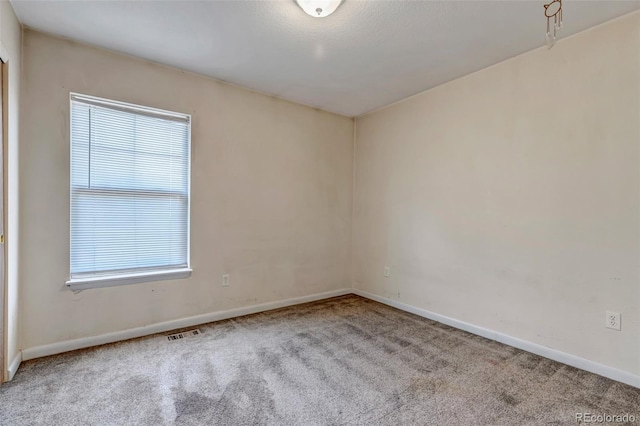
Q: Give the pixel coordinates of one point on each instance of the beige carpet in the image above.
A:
(342, 361)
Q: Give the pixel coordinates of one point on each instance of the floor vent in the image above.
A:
(184, 334)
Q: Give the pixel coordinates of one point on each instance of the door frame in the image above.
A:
(4, 341)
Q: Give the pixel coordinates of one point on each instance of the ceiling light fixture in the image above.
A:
(553, 10)
(319, 8)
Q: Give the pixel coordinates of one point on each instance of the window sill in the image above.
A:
(115, 280)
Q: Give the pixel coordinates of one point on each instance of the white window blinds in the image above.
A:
(129, 189)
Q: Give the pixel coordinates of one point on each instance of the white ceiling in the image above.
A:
(366, 55)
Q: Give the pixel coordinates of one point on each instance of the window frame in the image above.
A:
(157, 274)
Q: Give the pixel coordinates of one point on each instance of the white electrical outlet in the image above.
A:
(225, 280)
(386, 272)
(613, 320)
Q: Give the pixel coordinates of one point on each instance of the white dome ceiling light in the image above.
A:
(319, 8)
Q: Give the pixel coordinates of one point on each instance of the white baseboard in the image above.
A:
(563, 357)
(13, 367)
(86, 342)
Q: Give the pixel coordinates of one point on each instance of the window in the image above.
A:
(130, 172)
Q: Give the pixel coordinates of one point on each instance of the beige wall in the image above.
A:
(11, 45)
(509, 199)
(271, 195)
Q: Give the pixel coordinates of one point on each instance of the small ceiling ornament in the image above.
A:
(553, 11)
